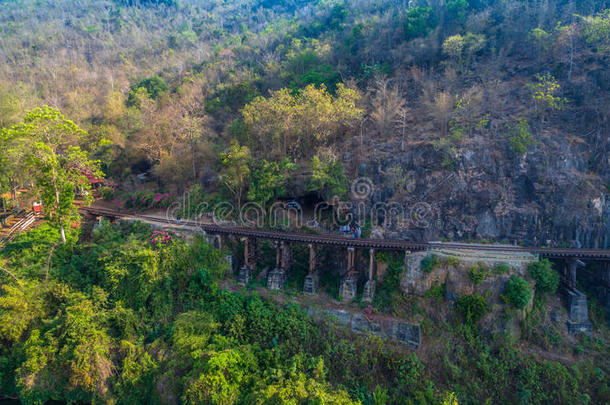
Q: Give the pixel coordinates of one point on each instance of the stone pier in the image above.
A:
(348, 288)
(277, 277)
(369, 288)
(311, 280)
(578, 312)
(244, 275)
(575, 300)
(245, 272)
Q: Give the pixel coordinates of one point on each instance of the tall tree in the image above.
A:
(57, 167)
(236, 172)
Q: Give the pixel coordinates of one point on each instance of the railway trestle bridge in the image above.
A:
(571, 259)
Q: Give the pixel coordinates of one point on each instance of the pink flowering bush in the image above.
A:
(148, 200)
(160, 238)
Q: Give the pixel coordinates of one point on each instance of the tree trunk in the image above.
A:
(193, 160)
(14, 191)
(62, 232)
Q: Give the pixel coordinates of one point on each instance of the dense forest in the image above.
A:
(492, 112)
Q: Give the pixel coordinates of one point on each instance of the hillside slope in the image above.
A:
(494, 113)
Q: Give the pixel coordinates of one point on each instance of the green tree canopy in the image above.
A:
(547, 279)
(294, 125)
(517, 292)
(235, 170)
(327, 177)
(55, 165)
(269, 180)
(154, 86)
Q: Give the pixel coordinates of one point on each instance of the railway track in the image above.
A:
(335, 240)
(21, 225)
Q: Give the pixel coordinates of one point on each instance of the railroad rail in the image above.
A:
(335, 240)
(22, 225)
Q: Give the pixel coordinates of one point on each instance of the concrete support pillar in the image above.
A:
(286, 255)
(246, 251)
(244, 275)
(312, 258)
(251, 252)
(351, 260)
(277, 277)
(348, 289)
(406, 259)
(578, 312)
(311, 280)
(572, 265)
(369, 287)
(278, 255)
(245, 272)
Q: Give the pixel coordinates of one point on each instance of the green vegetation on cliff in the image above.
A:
(127, 316)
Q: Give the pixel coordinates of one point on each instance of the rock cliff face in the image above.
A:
(456, 278)
(549, 196)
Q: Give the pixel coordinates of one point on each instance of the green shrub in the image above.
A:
(471, 307)
(452, 261)
(520, 137)
(387, 294)
(501, 268)
(436, 291)
(418, 21)
(517, 292)
(547, 279)
(153, 85)
(477, 274)
(107, 193)
(429, 263)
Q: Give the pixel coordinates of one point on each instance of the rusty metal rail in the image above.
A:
(334, 240)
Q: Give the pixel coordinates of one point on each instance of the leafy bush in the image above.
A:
(477, 274)
(153, 85)
(107, 193)
(452, 261)
(520, 137)
(388, 291)
(418, 21)
(501, 268)
(429, 263)
(517, 292)
(547, 279)
(327, 177)
(232, 97)
(436, 291)
(471, 307)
